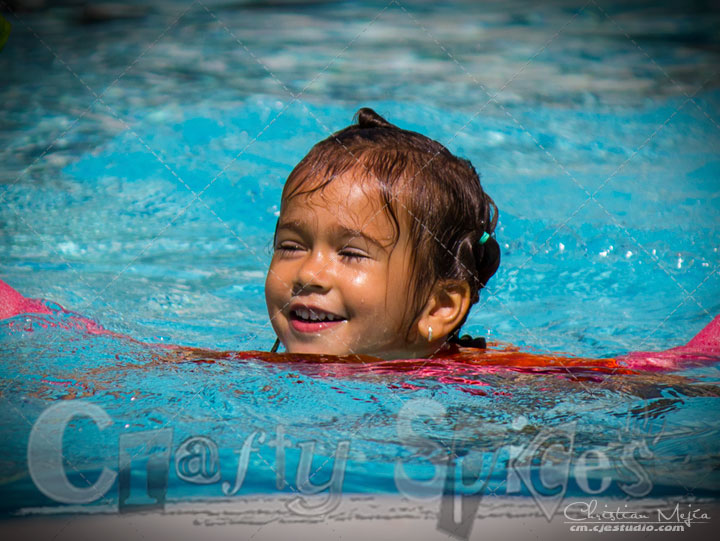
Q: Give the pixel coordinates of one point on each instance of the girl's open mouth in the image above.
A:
(313, 319)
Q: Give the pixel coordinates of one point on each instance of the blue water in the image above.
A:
(151, 210)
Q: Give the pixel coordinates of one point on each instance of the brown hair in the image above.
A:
(448, 211)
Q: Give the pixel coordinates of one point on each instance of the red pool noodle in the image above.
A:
(13, 303)
(708, 339)
(705, 346)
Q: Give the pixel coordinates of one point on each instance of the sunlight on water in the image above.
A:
(153, 212)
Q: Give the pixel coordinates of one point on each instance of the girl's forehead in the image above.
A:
(352, 203)
(345, 192)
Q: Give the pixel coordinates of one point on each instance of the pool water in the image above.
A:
(143, 161)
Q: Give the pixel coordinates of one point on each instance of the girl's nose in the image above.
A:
(313, 274)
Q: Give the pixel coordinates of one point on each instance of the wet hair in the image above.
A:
(438, 194)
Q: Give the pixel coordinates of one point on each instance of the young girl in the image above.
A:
(383, 244)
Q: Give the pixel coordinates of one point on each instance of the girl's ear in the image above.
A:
(446, 307)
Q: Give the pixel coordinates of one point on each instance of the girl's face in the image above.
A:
(338, 283)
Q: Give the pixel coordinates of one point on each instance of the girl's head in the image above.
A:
(382, 245)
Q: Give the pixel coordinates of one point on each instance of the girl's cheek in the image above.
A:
(279, 272)
(275, 288)
(359, 278)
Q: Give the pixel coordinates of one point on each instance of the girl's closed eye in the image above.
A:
(288, 247)
(353, 254)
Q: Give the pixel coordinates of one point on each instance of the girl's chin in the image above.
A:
(327, 349)
(316, 349)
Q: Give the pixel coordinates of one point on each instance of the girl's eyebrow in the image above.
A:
(338, 230)
(348, 232)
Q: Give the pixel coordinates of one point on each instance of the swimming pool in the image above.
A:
(143, 163)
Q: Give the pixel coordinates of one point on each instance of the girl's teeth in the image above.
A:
(312, 316)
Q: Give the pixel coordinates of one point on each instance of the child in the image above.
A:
(383, 244)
